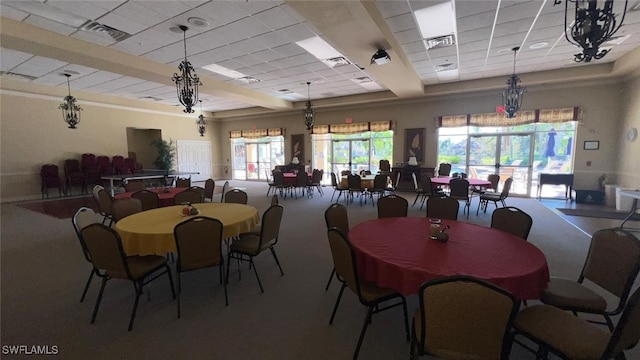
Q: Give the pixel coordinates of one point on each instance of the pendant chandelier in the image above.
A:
(202, 125)
(70, 111)
(513, 94)
(309, 111)
(188, 81)
(591, 27)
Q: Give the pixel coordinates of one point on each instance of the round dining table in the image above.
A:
(164, 195)
(444, 180)
(398, 253)
(151, 231)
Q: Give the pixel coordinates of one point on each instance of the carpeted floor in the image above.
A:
(43, 273)
(618, 215)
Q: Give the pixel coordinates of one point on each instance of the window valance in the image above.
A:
(255, 133)
(521, 118)
(352, 128)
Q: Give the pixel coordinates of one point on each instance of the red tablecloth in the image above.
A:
(166, 198)
(444, 180)
(397, 253)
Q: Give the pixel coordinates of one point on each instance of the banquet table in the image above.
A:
(165, 196)
(151, 231)
(365, 181)
(444, 180)
(397, 253)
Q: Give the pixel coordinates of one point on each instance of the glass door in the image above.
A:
(258, 160)
(352, 155)
(508, 155)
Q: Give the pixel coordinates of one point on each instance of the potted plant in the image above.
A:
(166, 154)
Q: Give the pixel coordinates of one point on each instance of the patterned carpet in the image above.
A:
(63, 208)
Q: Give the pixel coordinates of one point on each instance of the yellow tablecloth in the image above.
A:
(151, 232)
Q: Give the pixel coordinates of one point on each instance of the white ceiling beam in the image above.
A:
(26, 38)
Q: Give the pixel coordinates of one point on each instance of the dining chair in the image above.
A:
(209, 187)
(427, 190)
(250, 245)
(379, 185)
(199, 189)
(569, 337)
(369, 294)
(495, 197)
(183, 182)
(199, 246)
(122, 208)
(105, 203)
(355, 187)
(459, 190)
(336, 216)
(462, 317)
(82, 218)
(444, 169)
(191, 196)
(442, 208)
(74, 176)
(512, 220)
(134, 185)
(392, 206)
(316, 182)
(107, 255)
(149, 199)
(50, 178)
(225, 186)
(236, 196)
(337, 187)
(301, 183)
(612, 264)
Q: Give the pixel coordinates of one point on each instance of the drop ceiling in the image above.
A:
(127, 49)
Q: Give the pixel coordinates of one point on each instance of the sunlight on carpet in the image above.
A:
(618, 215)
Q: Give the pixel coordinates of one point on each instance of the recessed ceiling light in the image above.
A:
(436, 20)
(198, 22)
(504, 51)
(539, 45)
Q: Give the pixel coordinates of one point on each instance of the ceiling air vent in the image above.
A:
(446, 67)
(249, 79)
(94, 26)
(151, 98)
(17, 76)
(440, 41)
(336, 61)
(362, 80)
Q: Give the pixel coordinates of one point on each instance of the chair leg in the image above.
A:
(99, 299)
(138, 288)
(406, 317)
(273, 252)
(256, 272)
(179, 292)
(335, 307)
(367, 321)
(333, 272)
(86, 287)
(226, 297)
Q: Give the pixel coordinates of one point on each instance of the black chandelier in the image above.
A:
(187, 83)
(70, 111)
(202, 125)
(513, 94)
(591, 27)
(309, 111)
